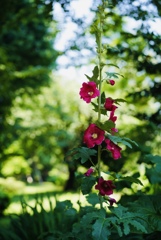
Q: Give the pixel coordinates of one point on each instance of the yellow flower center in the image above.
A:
(90, 93)
(94, 135)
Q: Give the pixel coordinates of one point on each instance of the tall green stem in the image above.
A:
(100, 88)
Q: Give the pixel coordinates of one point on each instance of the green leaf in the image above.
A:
(131, 179)
(133, 142)
(103, 97)
(92, 198)
(89, 78)
(149, 207)
(106, 125)
(87, 184)
(125, 141)
(113, 74)
(110, 64)
(128, 218)
(118, 100)
(118, 211)
(100, 230)
(126, 228)
(95, 106)
(82, 153)
(86, 153)
(153, 158)
(95, 75)
(139, 226)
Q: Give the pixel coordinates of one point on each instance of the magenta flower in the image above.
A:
(112, 82)
(114, 130)
(113, 148)
(109, 104)
(93, 136)
(111, 201)
(88, 91)
(89, 172)
(105, 187)
(112, 117)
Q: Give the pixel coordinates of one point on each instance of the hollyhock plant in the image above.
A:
(93, 136)
(89, 172)
(88, 91)
(105, 187)
(113, 148)
(109, 104)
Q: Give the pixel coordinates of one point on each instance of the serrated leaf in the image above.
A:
(86, 153)
(126, 228)
(119, 230)
(100, 230)
(139, 226)
(82, 153)
(114, 221)
(118, 211)
(149, 208)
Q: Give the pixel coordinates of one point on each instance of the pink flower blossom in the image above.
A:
(113, 148)
(93, 136)
(105, 187)
(89, 172)
(112, 117)
(109, 104)
(112, 82)
(88, 91)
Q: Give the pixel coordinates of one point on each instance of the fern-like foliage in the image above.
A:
(126, 222)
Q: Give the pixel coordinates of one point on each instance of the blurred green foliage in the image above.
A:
(27, 33)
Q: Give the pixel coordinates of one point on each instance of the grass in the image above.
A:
(42, 190)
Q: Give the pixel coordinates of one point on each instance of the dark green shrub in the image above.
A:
(4, 201)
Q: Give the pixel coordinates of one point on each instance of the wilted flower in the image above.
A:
(105, 187)
(111, 200)
(88, 91)
(113, 148)
(93, 136)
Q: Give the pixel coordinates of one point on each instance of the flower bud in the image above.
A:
(111, 82)
(89, 171)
